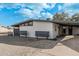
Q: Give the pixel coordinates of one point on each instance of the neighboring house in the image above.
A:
(55, 28)
(4, 29)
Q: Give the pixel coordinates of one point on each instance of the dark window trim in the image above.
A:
(30, 24)
(27, 24)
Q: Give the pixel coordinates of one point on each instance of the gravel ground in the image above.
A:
(15, 46)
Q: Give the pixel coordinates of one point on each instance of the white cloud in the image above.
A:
(36, 12)
(59, 7)
(71, 12)
(49, 15)
(69, 8)
(53, 5)
(68, 4)
(1, 6)
(46, 15)
(26, 11)
(44, 5)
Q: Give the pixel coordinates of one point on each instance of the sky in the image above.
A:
(11, 13)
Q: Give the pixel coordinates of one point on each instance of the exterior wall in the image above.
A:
(75, 30)
(55, 30)
(41, 26)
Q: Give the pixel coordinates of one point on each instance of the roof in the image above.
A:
(36, 20)
(67, 23)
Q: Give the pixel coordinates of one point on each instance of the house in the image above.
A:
(4, 29)
(55, 28)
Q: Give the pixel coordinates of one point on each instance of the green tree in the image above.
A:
(61, 16)
(75, 17)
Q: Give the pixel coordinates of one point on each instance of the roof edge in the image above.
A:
(26, 21)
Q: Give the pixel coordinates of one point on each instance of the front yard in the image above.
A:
(15, 46)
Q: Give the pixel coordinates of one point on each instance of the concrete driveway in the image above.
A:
(15, 46)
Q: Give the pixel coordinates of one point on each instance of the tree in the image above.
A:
(60, 16)
(75, 17)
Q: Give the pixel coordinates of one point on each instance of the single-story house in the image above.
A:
(55, 28)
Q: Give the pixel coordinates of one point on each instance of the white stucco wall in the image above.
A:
(41, 26)
(75, 30)
(55, 30)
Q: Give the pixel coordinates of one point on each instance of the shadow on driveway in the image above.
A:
(42, 44)
(72, 43)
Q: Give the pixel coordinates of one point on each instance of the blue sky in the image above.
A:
(11, 13)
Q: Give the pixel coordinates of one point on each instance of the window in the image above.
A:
(30, 24)
(27, 24)
(22, 24)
